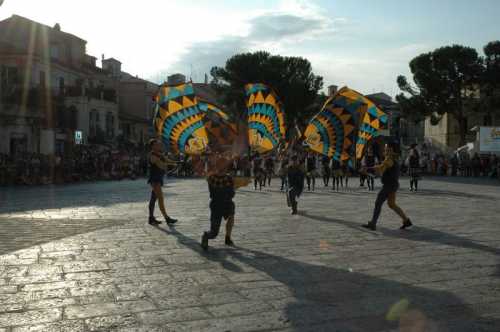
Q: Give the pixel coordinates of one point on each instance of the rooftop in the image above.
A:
(17, 19)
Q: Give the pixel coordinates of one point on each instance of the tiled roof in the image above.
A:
(17, 19)
(206, 93)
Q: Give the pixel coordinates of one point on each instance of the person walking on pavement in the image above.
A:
(325, 163)
(158, 163)
(269, 170)
(283, 173)
(221, 186)
(311, 171)
(336, 174)
(389, 171)
(369, 161)
(414, 167)
(296, 183)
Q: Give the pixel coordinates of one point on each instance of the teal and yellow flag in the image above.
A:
(266, 120)
(178, 119)
(221, 132)
(331, 132)
(347, 121)
(371, 118)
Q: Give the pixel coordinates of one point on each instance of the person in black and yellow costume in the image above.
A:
(269, 170)
(311, 171)
(369, 161)
(389, 171)
(221, 186)
(296, 175)
(158, 163)
(325, 163)
(337, 174)
(258, 172)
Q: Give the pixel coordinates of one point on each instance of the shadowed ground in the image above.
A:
(82, 258)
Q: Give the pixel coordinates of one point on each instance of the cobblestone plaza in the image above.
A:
(83, 258)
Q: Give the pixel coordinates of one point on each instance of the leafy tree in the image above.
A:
(445, 80)
(291, 77)
(490, 88)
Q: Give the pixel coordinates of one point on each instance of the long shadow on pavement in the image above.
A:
(431, 193)
(102, 194)
(416, 233)
(17, 234)
(330, 299)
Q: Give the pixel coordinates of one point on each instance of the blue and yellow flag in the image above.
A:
(347, 121)
(371, 118)
(331, 132)
(266, 121)
(221, 132)
(179, 120)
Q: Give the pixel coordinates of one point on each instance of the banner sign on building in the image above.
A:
(489, 139)
(78, 137)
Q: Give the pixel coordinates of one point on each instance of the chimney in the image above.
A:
(206, 78)
(332, 89)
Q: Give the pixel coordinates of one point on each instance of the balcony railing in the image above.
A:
(38, 96)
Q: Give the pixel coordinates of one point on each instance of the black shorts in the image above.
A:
(153, 181)
(222, 209)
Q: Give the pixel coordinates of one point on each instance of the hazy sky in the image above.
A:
(364, 44)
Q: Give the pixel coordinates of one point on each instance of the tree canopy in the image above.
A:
(491, 79)
(447, 80)
(291, 77)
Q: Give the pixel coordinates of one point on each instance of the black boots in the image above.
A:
(371, 226)
(204, 241)
(229, 242)
(406, 224)
(153, 221)
(170, 221)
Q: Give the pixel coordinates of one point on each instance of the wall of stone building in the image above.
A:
(411, 132)
(84, 106)
(437, 135)
(20, 129)
(52, 73)
(20, 32)
(139, 132)
(446, 135)
(136, 98)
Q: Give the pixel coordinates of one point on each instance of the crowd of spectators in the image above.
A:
(83, 163)
(91, 163)
(458, 164)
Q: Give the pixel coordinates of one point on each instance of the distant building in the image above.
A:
(176, 79)
(445, 135)
(136, 108)
(206, 93)
(332, 89)
(51, 90)
(406, 132)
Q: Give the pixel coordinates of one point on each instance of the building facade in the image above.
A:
(136, 108)
(444, 135)
(53, 95)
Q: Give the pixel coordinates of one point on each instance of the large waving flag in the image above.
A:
(179, 120)
(221, 132)
(266, 121)
(371, 118)
(347, 121)
(331, 132)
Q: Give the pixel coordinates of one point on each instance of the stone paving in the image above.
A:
(82, 258)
